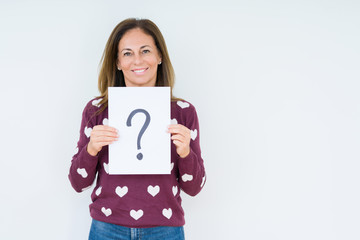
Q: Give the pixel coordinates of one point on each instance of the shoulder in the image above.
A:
(183, 111)
(183, 106)
(92, 106)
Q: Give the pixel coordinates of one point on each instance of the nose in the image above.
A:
(138, 59)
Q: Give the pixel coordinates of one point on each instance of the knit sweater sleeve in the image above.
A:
(191, 168)
(83, 166)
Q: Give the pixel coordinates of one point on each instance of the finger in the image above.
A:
(177, 143)
(179, 129)
(185, 134)
(104, 139)
(105, 128)
(179, 138)
(103, 131)
(177, 126)
(104, 134)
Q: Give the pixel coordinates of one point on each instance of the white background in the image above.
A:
(276, 87)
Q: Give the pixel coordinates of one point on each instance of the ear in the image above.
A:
(118, 64)
(160, 57)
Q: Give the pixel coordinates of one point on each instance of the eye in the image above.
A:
(145, 51)
(127, 54)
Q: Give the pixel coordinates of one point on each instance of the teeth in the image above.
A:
(139, 71)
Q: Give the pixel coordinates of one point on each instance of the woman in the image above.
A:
(136, 206)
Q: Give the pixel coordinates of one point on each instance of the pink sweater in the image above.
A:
(138, 200)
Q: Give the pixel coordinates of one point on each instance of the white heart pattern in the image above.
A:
(107, 211)
(82, 172)
(98, 191)
(183, 104)
(193, 134)
(87, 131)
(172, 166)
(121, 191)
(96, 102)
(153, 190)
(106, 168)
(203, 182)
(174, 121)
(105, 121)
(187, 177)
(167, 213)
(136, 214)
(174, 190)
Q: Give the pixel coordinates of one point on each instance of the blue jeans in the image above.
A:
(107, 231)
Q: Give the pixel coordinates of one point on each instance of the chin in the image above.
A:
(140, 83)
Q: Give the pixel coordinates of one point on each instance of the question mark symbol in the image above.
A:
(144, 127)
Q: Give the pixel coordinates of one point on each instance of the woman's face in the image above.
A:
(138, 58)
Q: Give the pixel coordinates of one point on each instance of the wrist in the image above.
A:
(91, 151)
(184, 155)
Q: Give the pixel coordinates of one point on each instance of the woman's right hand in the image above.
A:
(100, 136)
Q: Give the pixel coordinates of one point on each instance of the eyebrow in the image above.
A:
(129, 49)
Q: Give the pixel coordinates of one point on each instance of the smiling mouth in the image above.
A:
(141, 70)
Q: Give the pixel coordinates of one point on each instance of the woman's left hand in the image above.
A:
(180, 135)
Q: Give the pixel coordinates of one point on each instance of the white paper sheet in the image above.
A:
(150, 104)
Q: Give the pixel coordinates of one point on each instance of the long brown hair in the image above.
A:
(110, 76)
